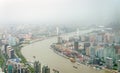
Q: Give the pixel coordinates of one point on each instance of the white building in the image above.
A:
(109, 62)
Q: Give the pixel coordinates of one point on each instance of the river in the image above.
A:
(46, 56)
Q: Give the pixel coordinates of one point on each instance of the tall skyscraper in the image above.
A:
(86, 46)
(10, 67)
(11, 53)
(19, 68)
(45, 69)
(6, 45)
(76, 45)
(92, 52)
(37, 67)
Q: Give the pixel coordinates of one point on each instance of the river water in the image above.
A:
(46, 56)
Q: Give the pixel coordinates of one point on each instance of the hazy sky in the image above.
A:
(59, 11)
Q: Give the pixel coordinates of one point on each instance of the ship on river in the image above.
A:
(72, 60)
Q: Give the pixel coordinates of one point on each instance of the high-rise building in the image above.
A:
(59, 40)
(76, 45)
(15, 69)
(92, 52)
(11, 40)
(8, 48)
(45, 69)
(19, 68)
(96, 61)
(10, 67)
(109, 63)
(82, 38)
(99, 38)
(109, 51)
(24, 70)
(87, 39)
(79, 38)
(86, 48)
(118, 57)
(87, 51)
(37, 67)
(100, 52)
(116, 39)
(11, 53)
(118, 65)
(6, 45)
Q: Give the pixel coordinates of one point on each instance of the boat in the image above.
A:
(56, 71)
(72, 60)
(75, 67)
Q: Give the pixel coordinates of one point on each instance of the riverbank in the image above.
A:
(91, 66)
(78, 63)
(67, 48)
(46, 56)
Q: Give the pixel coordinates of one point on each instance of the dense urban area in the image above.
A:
(59, 36)
(97, 48)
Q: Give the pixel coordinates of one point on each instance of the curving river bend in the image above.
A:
(47, 57)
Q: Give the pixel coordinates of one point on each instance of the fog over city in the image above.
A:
(78, 12)
(59, 36)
